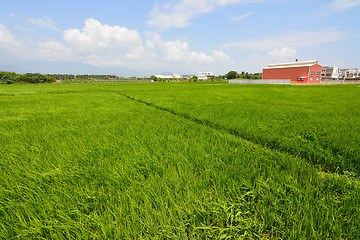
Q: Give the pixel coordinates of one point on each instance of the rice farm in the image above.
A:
(179, 161)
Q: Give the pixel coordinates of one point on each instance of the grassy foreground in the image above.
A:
(318, 123)
(85, 161)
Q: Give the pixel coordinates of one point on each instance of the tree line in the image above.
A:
(242, 75)
(12, 77)
(64, 77)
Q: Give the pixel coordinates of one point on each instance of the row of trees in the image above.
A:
(187, 79)
(242, 75)
(12, 77)
(64, 77)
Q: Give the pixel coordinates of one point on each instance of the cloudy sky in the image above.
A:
(146, 37)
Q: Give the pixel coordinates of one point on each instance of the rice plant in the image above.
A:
(145, 161)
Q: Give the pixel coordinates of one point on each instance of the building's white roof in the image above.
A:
(174, 75)
(293, 64)
(350, 69)
(205, 74)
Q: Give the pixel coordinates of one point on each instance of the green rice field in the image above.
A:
(179, 161)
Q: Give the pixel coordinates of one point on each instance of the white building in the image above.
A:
(351, 73)
(174, 75)
(330, 73)
(205, 75)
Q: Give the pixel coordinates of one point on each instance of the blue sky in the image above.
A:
(184, 36)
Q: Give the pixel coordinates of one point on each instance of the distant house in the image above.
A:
(174, 75)
(205, 75)
(350, 73)
(330, 73)
(299, 72)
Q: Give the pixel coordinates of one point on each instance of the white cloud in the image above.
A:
(115, 46)
(293, 39)
(96, 37)
(258, 61)
(5, 36)
(241, 17)
(179, 52)
(178, 14)
(342, 5)
(284, 54)
(9, 46)
(283, 47)
(53, 51)
(44, 23)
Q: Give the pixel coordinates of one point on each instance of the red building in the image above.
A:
(299, 72)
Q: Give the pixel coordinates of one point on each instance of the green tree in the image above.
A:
(154, 78)
(8, 77)
(231, 75)
(32, 78)
(49, 79)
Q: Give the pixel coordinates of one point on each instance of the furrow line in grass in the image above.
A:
(236, 134)
(208, 124)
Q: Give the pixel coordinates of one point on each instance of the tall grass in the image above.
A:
(318, 123)
(81, 161)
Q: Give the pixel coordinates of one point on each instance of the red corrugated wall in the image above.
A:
(295, 73)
